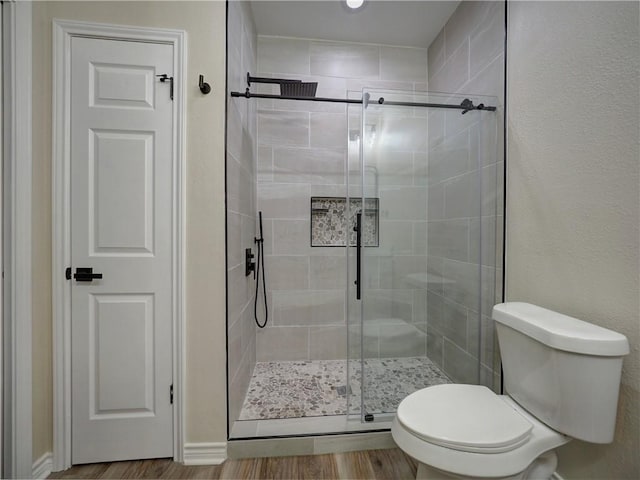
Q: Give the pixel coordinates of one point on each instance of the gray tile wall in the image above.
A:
(241, 210)
(302, 152)
(464, 246)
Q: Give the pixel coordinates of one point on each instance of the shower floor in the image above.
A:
(316, 388)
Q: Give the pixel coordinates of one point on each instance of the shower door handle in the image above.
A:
(358, 229)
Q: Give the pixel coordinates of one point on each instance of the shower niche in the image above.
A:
(330, 226)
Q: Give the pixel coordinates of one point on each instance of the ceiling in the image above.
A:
(397, 22)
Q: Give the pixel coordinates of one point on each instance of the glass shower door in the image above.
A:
(421, 211)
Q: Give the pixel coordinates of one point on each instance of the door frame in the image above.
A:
(63, 32)
(16, 244)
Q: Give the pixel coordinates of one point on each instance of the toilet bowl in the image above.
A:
(468, 432)
(549, 362)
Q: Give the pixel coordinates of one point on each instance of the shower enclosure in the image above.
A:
(380, 257)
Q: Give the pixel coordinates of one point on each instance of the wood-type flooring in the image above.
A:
(368, 464)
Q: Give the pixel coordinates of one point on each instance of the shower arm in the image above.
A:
(466, 105)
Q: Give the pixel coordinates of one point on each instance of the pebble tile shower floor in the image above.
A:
(316, 388)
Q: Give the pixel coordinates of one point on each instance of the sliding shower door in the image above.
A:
(426, 220)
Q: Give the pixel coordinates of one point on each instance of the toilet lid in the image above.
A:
(464, 417)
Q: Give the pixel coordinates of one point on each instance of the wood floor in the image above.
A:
(369, 464)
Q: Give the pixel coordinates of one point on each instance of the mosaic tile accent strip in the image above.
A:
(318, 388)
(329, 227)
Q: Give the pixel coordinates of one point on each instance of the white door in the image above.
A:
(121, 227)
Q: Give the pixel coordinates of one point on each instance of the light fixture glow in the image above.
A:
(354, 3)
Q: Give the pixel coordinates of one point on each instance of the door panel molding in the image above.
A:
(17, 180)
(63, 31)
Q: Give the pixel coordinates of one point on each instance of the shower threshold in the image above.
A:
(291, 427)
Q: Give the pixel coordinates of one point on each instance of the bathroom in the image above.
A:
(549, 214)
(328, 360)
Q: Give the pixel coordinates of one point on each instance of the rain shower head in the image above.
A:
(288, 87)
(298, 89)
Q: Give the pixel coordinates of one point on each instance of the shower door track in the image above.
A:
(466, 105)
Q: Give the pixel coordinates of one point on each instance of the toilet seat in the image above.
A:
(470, 418)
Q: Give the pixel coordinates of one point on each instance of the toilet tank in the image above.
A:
(562, 370)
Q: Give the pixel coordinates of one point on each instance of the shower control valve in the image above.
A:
(249, 262)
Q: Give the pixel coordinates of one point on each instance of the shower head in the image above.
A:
(288, 87)
(298, 89)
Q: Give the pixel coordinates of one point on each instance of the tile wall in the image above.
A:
(467, 56)
(302, 152)
(241, 206)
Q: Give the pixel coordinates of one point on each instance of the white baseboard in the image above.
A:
(42, 467)
(556, 476)
(213, 453)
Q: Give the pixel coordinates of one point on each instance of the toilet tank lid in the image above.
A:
(560, 331)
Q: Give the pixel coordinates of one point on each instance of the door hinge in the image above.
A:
(171, 394)
(67, 273)
(163, 78)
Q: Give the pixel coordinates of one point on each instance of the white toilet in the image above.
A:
(561, 377)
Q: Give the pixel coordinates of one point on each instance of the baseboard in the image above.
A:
(556, 476)
(205, 453)
(42, 467)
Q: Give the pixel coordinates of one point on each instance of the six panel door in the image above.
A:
(121, 227)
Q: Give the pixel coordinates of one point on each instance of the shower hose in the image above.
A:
(260, 264)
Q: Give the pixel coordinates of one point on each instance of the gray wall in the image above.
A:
(465, 161)
(573, 188)
(302, 152)
(241, 205)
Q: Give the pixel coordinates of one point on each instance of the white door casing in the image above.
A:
(117, 187)
(17, 180)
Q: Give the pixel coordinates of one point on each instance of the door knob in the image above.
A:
(85, 274)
